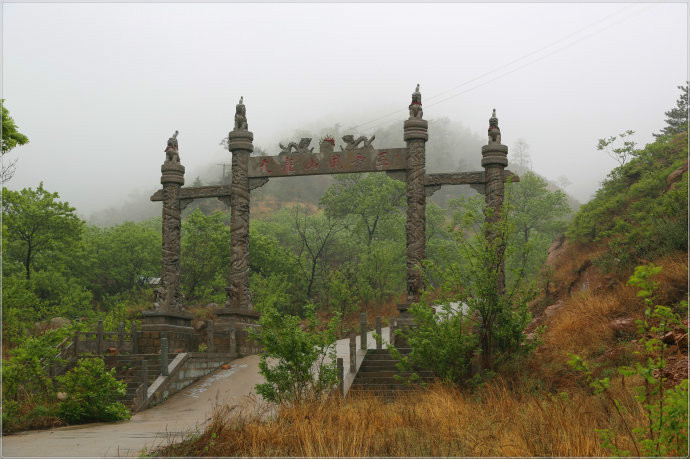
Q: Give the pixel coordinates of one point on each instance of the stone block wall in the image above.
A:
(246, 346)
(185, 369)
(180, 339)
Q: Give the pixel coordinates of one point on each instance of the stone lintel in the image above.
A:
(464, 178)
(197, 192)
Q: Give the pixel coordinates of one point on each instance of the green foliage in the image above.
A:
(677, 117)
(92, 393)
(538, 216)
(298, 363)
(622, 153)
(118, 258)
(11, 137)
(205, 255)
(366, 198)
(634, 212)
(442, 342)
(666, 408)
(485, 320)
(36, 225)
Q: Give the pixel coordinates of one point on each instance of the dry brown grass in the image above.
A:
(496, 421)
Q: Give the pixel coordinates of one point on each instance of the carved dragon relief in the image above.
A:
(301, 147)
(352, 144)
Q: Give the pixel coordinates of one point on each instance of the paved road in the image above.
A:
(184, 412)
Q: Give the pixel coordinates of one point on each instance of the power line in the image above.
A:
(511, 63)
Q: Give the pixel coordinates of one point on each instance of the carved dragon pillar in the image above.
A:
(415, 135)
(168, 315)
(169, 297)
(494, 161)
(240, 144)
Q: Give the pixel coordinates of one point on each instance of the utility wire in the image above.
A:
(510, 63)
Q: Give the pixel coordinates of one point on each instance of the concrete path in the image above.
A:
(185, 412)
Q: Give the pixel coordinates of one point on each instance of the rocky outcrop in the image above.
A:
(676, 176)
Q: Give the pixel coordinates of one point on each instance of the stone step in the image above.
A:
(386, 380)
(390, 373)
(385, 388)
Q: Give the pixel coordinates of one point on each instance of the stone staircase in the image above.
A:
(138, 372)
(377, 375)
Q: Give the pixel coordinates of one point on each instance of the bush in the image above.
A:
(92, 393)
(298, 363)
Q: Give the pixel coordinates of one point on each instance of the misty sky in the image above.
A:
(99, 88)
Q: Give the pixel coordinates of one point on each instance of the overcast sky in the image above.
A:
(99, 88)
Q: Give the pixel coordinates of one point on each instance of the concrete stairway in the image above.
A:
(377, 375)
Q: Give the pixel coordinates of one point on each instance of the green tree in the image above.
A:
(118, 258)
(205, 257)
(538, 216)
(38, 223)
(11, 137)
(677, 117)
(368, 198)
(622, 153)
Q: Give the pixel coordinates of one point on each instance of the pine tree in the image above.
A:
(677, 118)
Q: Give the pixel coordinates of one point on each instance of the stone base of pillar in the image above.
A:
(237, 316)
(178, 318)
(176, 326)
(238, 321)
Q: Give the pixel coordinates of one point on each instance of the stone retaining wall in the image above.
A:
(185, 369)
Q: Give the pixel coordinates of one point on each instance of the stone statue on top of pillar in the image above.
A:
(416, 105)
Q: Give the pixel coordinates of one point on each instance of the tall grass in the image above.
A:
(442, 421)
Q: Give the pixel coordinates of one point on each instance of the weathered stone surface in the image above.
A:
(168, 295)
(240, 144)
(622, 326)
(198, 325)
(415, 134)
(494, 161)
(676, 176)
(57, 322)
(365, 159)
(556, 249)
(554, 308)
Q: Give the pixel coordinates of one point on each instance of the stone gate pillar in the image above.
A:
(494, 161)
(238, 305)
(168, 315)
(415, 135)
(169, 297)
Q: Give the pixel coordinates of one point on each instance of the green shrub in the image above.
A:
(92, 393)
(298, 363)
(666, 408)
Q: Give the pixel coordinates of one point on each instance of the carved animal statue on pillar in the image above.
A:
(494, 130)
(171, 151)
(241, 116)
(416, 105)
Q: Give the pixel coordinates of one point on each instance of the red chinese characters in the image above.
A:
(335, 163)
(358, 160)
(382, 159)
(311, 164)
(289, 165)
(263, 167)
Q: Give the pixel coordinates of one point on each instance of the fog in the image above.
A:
(99, 88)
